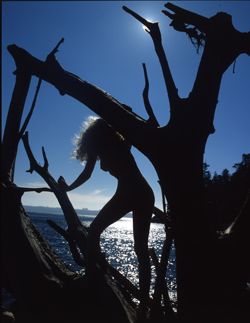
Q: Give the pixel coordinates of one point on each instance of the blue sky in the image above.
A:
(106, 46)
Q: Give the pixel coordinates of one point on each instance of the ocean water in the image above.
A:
(117, 244)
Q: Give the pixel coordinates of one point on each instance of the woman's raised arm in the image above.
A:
(83, 177)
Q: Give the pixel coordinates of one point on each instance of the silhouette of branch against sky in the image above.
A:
(105, 46)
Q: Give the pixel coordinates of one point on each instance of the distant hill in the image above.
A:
(57, 210)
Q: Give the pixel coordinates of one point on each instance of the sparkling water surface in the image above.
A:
(116, 242)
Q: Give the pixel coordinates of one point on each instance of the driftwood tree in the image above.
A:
(45, 289)
(210, 285)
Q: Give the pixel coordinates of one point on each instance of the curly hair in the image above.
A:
(96, 136)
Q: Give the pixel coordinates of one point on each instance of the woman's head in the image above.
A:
(98, 137)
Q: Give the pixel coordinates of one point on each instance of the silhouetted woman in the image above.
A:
(100, 141)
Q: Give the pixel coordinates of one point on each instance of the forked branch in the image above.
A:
(76, 234)
(196, 33)
(182, 16)
(34, 166)
(154, 32)
(72, 243)
(29, 115)
(130, 125)
(222, 45)
(70, 215)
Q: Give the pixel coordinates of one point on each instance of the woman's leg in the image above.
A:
(110, 213)
(141, 225)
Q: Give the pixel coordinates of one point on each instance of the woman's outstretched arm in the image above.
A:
(82, 178)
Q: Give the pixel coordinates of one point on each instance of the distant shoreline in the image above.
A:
(56, 210)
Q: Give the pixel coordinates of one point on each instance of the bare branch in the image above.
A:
(197, 37)
(76, 233)
(159, 288)
(76, 230)
(161, 268)
(55, 50)
(59, 230)
(29, 153)
(35, 166)
(187, 17)
(137, 17)
(123, 280)
(154, 31)
(34, 189)
(52, 183)
(72, 243)
(162, 216)
(168, 14)
(46, 163)
(223, 44)
(26, 122)
(152, 119)
(11, 131)
(133, 127)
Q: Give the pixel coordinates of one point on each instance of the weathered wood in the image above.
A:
(29, 115)
(160, 283)
(154, 31)
(11, 131)
(68, 83)
(72, 244)
(76, 235)
(45, 289)
(186, 134)
(186, 16)
(12, 134)
(33, 269)
(74, 224)
(152, 119)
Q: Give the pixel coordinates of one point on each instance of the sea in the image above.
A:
(116, 243)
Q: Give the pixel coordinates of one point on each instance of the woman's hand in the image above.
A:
(62, 184)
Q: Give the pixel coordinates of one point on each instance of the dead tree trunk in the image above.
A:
(204, 294)
(17, 247)
(44, 288)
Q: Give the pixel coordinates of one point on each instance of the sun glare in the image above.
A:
(144, 27)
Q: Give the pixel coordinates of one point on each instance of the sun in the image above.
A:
(146, 28)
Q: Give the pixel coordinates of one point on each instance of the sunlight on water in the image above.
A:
(118, 245)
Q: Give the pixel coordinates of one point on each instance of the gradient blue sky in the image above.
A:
(106, 46)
